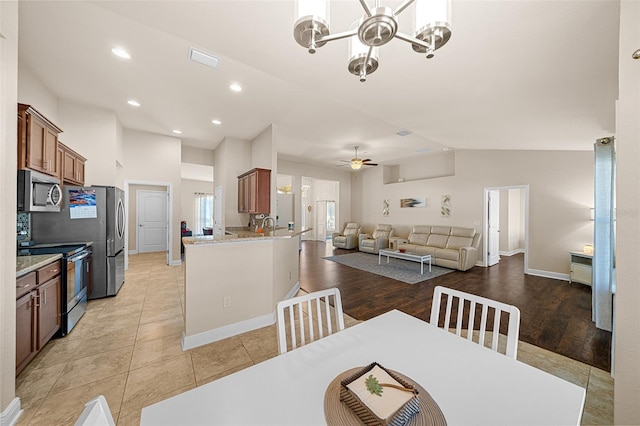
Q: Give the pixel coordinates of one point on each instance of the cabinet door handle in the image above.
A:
(36, 301)
(44, 297)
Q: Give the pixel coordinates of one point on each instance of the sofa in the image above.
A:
(348, 238)
(377, 240)
(450, 247)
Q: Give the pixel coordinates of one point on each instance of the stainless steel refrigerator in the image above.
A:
(91, 213)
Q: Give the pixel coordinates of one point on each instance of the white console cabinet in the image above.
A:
(581, 267)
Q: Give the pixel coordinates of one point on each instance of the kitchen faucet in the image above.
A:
(266, 221)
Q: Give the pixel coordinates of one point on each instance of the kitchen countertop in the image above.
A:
(241, 234)
(26, 264)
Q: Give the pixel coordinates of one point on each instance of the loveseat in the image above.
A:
(450, 247)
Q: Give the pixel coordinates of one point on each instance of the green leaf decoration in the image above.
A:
(373, 386)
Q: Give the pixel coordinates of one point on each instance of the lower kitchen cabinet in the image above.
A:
(25, 332)
(49, 313)
(38, 312)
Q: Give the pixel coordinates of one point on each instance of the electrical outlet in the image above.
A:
(226, 302)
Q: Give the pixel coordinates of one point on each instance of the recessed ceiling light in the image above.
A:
(235, 87)
(203, 58)
(177, 132)
(133, 103)
(121, 53)
(403, 133)
(216, 122)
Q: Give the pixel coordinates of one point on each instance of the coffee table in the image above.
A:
(406, 256)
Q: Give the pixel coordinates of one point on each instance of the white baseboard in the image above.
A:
(511, 252)
(11, 414)
(293, 291)
(547, 274)
(206, 337)
(176, 262)
(133, 251)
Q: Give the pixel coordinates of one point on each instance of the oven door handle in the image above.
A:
(80, 257)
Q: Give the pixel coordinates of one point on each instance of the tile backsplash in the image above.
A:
(23, 228)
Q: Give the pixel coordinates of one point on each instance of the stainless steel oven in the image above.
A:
(77, 281)
(76, 278)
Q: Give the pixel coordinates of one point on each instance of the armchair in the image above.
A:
(378, 240)
(348, 238)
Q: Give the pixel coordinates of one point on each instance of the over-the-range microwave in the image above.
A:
(38, 192)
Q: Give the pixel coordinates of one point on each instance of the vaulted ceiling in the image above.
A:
(527, 74)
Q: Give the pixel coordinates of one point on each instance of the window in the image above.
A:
(202, 212)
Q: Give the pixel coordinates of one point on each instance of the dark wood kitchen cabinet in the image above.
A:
(71, 165)
(37, 141)
(38, 311)
(254, 191)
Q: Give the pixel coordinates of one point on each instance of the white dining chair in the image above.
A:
(470, 304)
(96, 413)
(309, 317)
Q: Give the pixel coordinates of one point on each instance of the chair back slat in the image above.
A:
(310, 320)
(465, 318)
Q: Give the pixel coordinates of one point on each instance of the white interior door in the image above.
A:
(493, 215)
(218, 223)
(321, 220)
(151, 217)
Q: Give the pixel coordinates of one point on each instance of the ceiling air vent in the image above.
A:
(203, 58)
(403, 133)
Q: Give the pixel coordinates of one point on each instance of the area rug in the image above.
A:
(397, 269)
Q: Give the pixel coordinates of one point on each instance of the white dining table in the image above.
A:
(471, 384)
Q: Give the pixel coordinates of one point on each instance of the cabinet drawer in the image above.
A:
(25, 284)
(47, 272)
(581, 273)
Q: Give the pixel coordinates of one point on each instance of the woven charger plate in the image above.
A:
(338, 413)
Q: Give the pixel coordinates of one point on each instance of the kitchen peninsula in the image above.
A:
(234, 281)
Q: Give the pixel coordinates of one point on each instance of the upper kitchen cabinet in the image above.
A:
(254, 191)
(71, 165)
(37, 141)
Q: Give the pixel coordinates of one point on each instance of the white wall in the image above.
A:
(152, 159)
(8, 153)
(93, 133)
(512, 235)
(232, 158)
(561, 193)
(32, 91)
(627, 314)
(187, 200)
(193, 155)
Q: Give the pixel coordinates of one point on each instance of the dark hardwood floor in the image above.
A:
(554, 314)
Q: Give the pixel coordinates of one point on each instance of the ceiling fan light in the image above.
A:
(356, 164)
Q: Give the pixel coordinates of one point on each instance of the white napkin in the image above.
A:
(391, 400)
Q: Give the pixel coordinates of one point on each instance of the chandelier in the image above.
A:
(376, 27)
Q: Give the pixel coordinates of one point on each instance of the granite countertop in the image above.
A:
(242, 234)
(26, 264)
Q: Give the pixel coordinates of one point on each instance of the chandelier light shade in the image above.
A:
(377, 26)
(312, 23)
(433, 24)
(363, 59)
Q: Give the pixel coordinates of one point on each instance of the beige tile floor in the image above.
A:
(128, 349)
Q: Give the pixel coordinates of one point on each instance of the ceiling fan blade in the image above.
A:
(368, 159)
(369, 164)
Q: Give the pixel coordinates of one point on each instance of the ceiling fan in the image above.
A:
(356, 162)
